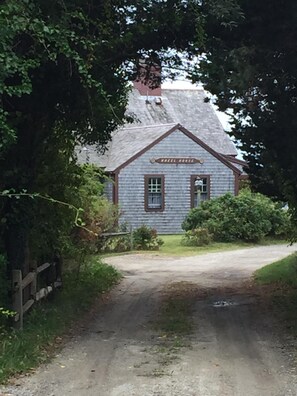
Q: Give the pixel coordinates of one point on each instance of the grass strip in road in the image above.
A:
(174, 325)
(281, 279)
(22, 351)
(175, 316)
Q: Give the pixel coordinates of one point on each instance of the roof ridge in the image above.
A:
(182, 89)
(149, 126)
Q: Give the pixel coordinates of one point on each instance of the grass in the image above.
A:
(22, 351)
(175, 316)
(281, 278)
(172, 246)
(174, 323)
(283, 272)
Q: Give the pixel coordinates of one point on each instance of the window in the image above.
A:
(154, 193)
(200, 189)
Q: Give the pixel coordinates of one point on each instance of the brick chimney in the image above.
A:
(148, 81)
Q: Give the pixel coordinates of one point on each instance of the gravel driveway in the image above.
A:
(237, 346)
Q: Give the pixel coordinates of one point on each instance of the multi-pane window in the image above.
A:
(200, 189)
(154, 195)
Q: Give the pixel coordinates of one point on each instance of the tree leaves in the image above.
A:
(253, 70)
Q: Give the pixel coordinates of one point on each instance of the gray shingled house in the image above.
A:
(174, 155)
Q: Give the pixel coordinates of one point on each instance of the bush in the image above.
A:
(197, 237)
(247, 217)
(146, 238)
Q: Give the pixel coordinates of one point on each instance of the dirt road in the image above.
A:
(237, 348)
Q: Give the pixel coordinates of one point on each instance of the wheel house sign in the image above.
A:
(173, 160)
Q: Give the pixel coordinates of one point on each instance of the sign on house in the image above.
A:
(173, 160)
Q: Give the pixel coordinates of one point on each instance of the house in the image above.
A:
(173, 156)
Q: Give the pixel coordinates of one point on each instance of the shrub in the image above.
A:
(197, 237)
(146, 238)
(247, 217)
(116, 244)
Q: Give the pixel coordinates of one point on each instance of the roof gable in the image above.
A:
(186, 107)
(166, 134)
(128, 142)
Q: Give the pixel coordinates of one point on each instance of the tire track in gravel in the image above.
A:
(237, 347)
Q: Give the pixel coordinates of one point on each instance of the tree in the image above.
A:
(63, 80)
(251, 66)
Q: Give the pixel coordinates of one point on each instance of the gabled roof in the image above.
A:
(127, 142)
(186, 107)
(125, 147)
(154, 118)
(240, 164)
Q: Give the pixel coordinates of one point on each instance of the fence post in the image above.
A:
(33, 286)
(17, 303)
(131, 238)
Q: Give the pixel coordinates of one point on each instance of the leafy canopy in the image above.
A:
(251, 65)
(63, 80)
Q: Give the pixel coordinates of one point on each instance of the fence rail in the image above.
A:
(20, 304)
(106, 235)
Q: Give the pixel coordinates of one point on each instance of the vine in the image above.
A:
(78, 221)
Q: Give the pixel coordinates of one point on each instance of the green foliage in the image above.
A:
(146, 238)
(247, 217)
(252, 70)
(196, 237)
(22, 351)
(64, 72)
(116, 243)
(98, 215)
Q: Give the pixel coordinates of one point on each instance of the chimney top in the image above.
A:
(148, 80)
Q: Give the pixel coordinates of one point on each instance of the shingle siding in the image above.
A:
(177, 183)
(108, 189)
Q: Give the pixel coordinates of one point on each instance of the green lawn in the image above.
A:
(172, 246)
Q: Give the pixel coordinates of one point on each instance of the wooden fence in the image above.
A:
(107, 235)
(26, 291)
(22, 304)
